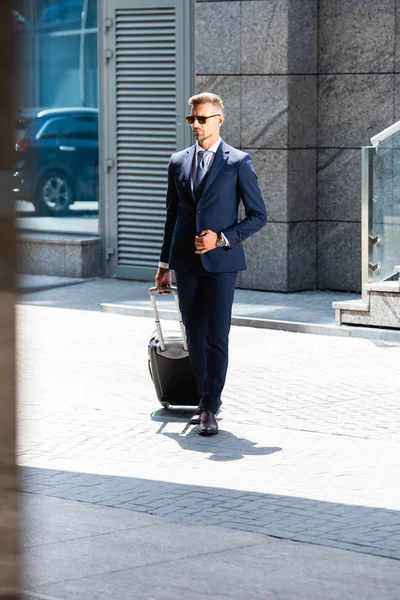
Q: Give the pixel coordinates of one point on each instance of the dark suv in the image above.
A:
(56, 158)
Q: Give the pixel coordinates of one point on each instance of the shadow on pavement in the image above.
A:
(225, 446)
(87, 295)
(84, 551)
(363, 529)
(173, 415)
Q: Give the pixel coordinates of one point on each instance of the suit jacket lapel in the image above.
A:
(187, 167)
(220, 159)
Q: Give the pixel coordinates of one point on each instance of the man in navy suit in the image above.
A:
(203, 244)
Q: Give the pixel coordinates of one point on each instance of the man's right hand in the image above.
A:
(163, 279)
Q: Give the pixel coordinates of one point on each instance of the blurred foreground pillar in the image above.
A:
(8, 266)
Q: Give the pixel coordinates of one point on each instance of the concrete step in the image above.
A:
(59, 254)
(380, 307)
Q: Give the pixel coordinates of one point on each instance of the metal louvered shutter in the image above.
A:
(147, 79)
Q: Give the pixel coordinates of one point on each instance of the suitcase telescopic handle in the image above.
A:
(174, 291)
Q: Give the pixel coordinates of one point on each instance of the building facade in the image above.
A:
(305, 83)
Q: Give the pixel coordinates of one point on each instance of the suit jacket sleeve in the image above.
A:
(172, 211)
(254, 205)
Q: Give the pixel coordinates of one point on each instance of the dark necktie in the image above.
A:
(201, 172)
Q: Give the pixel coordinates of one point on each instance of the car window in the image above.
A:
(50, 130)
(80, 127)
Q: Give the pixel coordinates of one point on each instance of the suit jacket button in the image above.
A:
(198, 212)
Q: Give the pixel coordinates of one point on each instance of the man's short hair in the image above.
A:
(206, 97)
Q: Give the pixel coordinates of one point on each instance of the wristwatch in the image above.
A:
(220, 243)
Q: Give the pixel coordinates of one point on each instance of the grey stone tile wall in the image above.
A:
(397, 96)
(339, 184)
(267, 259)
(302, 185)
(281, 256)
(279, 111)
(261, 58)
(288, 181)
(339, 255)
(357, 36)
(302, 256)
(358, 55)
(218, 32)
(302, 111)
(352, 108)
(303, 36)
(306, 84)
(397, 39)
(271, 167)
(264, 111)
(264, 37)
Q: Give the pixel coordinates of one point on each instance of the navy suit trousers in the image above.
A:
(206, 304)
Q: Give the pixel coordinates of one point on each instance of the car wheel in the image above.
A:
(54, 194)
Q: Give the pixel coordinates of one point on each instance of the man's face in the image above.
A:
(212, 126)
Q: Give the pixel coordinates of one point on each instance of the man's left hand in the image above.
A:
(205, 241)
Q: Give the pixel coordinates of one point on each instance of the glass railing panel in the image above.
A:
(384, 217)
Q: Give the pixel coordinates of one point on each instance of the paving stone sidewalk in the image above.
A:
(309, 441)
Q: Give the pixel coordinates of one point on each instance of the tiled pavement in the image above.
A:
(309, 441)
(75, 550)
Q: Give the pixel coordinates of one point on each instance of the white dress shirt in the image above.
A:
(209, 159)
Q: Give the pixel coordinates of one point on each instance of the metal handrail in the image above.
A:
(384, 135)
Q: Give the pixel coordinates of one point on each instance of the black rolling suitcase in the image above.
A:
(169, 363)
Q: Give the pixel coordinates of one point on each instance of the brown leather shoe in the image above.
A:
(195, 419)
(208, 423)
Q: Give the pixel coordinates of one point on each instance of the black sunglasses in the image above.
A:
(201, 120)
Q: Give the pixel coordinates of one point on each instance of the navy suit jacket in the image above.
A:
(230, 179)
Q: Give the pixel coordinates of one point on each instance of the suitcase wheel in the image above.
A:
(165, 404)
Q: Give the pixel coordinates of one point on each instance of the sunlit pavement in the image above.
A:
(308, 450)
